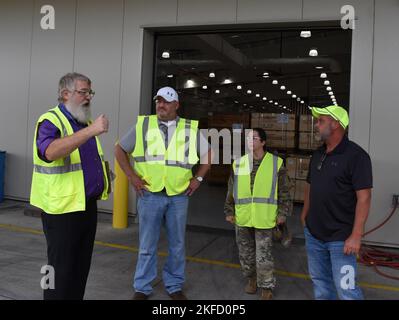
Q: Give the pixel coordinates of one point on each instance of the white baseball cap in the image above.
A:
(168, 93)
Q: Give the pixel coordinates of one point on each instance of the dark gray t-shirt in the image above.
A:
(128, 141)
(334, 179)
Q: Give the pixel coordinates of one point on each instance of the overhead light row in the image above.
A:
(329, 88)
(289, 92)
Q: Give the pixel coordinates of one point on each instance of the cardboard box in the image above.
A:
(291, 164)
(255, 120)
(306, 123)
(277, 121)
(302, 168)
(280, 139)
(299, 190)
(224, 120)
(309, 141)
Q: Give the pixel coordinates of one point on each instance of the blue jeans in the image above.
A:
(332, 272)
(155, 210)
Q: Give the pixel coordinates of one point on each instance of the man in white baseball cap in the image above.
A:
(168, 93)
(165, 148)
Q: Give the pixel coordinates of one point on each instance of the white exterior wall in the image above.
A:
(104, 40)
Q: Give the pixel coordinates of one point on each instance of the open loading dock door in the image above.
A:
(255, 78)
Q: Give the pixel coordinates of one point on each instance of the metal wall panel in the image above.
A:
(269, 10)
(206, 11)
(52, 56)
(15, 54)
(384, 130)
(98, 54)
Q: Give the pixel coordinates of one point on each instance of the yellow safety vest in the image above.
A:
(165, 167)
(258, 208)
(58, 186)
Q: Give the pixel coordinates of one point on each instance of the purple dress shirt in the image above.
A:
(91, 162)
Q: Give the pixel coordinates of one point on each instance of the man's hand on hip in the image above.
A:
(194, 185)
(138, 184)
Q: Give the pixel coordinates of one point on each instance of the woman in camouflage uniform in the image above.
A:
(254, 244)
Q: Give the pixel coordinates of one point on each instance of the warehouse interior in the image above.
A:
(265, 78)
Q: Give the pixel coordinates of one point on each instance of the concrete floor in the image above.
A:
(212, 269)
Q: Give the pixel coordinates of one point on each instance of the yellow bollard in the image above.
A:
(121, 198)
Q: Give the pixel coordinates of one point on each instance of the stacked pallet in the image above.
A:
(309, 139)
(297, 168)
(280, 128)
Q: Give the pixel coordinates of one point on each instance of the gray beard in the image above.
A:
(80, 113)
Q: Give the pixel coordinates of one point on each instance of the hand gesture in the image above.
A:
(100, 125)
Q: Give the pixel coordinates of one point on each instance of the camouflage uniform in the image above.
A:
(254, 245)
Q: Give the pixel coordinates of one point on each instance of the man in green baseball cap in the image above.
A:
(336, 206)
(336, 112)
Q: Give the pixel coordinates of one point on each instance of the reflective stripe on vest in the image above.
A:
(270, 200)
(172, 163)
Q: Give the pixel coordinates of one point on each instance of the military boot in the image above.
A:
(267, 294)
(250, 288)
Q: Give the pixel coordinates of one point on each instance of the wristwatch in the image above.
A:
(199, 178)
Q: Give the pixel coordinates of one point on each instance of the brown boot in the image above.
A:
(267, 294)
(250, 288)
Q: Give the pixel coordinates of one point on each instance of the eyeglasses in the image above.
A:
(85, 93)
(320, 165)
(253, 138)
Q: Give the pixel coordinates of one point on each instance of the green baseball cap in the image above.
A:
(336, 112)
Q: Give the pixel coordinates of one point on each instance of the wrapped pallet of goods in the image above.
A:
(226, 120)
(280, 129)
(297, 169)
(306, 123)
(280, 139)
(274, 121)
(299, 190)
(309, 140)
(290, 164)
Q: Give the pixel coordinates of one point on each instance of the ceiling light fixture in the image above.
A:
(212, 75)
(165, 55)
(282, 87)
(239, 87)
(275, 82)
(289, 92)
(204, 87)
(313, 53)
(323, 75)
(326, 83)
(306, 34)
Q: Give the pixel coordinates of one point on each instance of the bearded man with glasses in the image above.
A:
(69, 176)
